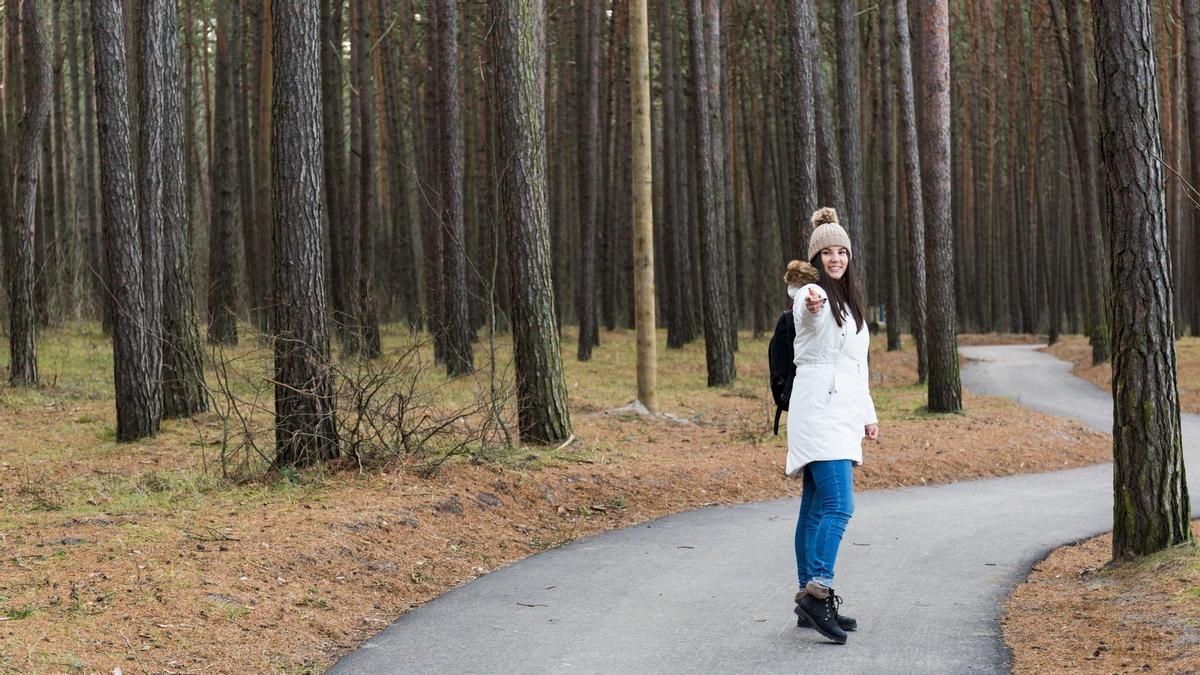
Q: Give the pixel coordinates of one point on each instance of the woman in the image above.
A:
(830, 413)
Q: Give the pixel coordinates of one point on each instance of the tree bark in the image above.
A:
(542, 414)
(717, 339)
(887, 144)
(305, 423)
(802, 52)
(945, 389)
(37, 90)
(450, 162)
(223, 242)
(334, 169)
(136, 404)
(643, 216)
(1191, 22)
(587, 92)
(364, 188)
(183, 389)
(1150, 504)
(914, 188)
(152, 101)
(849, 138)
(402, 256)
(1079, 94)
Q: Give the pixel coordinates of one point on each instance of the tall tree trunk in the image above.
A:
(183, 388)
(223, 242)
(802, 51)
(945, 389)
(97, 261)
(1191, 22)
(82, 220)
(1079, 94)
(848, 137)
(542, 414)
(643, 216)
(913, 182)
(681, 328)
(136, 403)
(334, 167)
(305, 423)
(587, 91)
(887, 143)
(717, 340)
(450, 162)
(262, 166)
(367, 206)
(37, 90)
(152, 101)
(403, 261)
(61, 265)
(1150, 504)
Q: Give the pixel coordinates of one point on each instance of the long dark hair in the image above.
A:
(842, 293)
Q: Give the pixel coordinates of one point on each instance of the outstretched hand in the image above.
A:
(813, 301)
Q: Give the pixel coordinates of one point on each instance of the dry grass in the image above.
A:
(1075, 348)
(1075, 613)
(141, 556)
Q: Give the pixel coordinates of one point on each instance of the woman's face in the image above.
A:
(835, 260)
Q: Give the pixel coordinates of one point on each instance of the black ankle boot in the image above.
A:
(847, 623)
(822, 614)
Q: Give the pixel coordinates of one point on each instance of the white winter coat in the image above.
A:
(831, 400)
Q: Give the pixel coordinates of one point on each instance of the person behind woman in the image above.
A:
(830, 413)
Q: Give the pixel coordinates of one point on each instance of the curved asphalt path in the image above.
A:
(709, 591)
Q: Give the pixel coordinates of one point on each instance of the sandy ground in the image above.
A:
(135, 556)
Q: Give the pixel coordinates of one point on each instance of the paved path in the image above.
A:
(709, 591)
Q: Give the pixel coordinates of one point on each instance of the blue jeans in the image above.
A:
(825, 508)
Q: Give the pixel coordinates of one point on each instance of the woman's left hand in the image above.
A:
(872, 431)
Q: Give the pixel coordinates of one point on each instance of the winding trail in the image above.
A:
(709, 591)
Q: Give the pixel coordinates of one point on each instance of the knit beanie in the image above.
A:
(827, 232)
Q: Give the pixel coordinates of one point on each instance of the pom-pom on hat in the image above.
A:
(827, 232)
(800, 273)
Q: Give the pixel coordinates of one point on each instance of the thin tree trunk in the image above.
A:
(887, 144)
(945, 389)
(334, 168)
(136, 403)
(183, 388)
(848, 137)
(37, 90)
(717, 342)
(803, 52)
(305, 422)
(453, 229)
(542, 414)
(223, 242)
(1080, 100)
(588, 79)
(262, 167)
(368, 311)
(643, 217)
(913, 182)
(1191, 22)
(152, 101)
(1150, 504)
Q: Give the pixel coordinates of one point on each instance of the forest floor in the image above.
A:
(167, 555)
(1077, 612)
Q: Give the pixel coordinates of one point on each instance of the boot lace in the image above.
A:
(832, 604)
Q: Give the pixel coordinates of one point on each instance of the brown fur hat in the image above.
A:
(800, 273)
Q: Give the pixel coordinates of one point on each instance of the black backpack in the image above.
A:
(783, 370)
